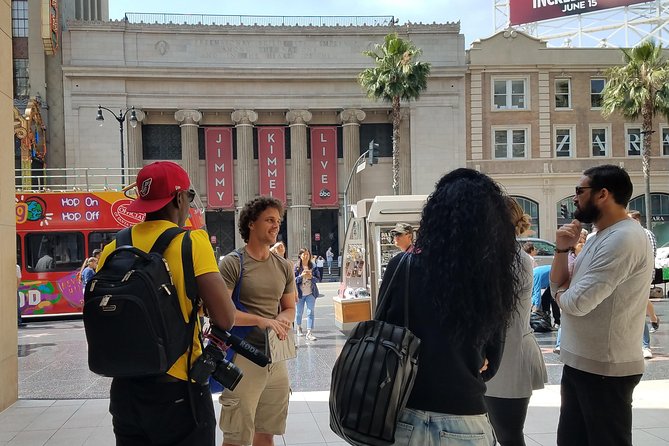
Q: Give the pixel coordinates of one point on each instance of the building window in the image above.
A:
(596, 90)
(562, 93)
(659, 205)
(19, 18)
(21, 79)
(510, 143)
(564, 140)
(599, 141)
(509, 94)
(382, 134)
(633, 141)
(665, 141)
(161, 142)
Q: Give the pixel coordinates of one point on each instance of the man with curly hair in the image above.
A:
(258, 407)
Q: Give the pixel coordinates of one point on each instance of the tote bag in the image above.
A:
(374, 374)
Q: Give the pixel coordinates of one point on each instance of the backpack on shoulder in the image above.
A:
(132, 317)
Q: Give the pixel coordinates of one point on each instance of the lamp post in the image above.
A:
(373, 159)
(120, 118)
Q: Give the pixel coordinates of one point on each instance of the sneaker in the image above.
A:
(309, 336)
(654, 325)
(299, 331)
(647, 354)
(556, 350)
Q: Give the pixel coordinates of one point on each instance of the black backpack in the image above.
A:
(132, 317)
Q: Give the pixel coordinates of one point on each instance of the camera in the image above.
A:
(212, 362)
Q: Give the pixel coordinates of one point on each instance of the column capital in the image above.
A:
(352, 116)
(188, 117)
(298, 117)
(244, 117)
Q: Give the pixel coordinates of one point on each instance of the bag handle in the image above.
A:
(384, 300)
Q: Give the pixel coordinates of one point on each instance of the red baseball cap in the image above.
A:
(157, 183)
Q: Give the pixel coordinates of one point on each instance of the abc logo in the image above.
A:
(324, 193)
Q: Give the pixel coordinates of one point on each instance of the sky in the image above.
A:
(475, 16)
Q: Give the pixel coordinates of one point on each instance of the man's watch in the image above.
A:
(562, 251)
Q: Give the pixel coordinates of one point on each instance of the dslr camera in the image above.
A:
(212, 362)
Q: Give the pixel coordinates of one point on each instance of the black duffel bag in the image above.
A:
(373, 376)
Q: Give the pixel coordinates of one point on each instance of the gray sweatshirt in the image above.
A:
(605, 305)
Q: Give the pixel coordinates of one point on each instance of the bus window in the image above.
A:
(18, 250)
(98, 240)
(54, 251)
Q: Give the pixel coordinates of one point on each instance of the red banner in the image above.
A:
(526, 11)
(218, 149)
(324, 167)
(272, 162)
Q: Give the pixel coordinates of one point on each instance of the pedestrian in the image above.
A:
(403, 236)
(163, 409)
(279, 249)
(329, 255)
(258, 407)
(320, 263)
(603, 309)
(89, 270)
(522, 368)
(306, 278)
(461, 303)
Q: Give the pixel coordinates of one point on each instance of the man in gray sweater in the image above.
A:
(603, 309)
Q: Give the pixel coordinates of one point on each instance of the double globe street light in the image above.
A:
(120, 118)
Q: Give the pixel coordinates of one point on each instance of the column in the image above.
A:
(405, 153)
(299, 216)
(350, 119)
(135, 151)
(245, 186)
(190, 159)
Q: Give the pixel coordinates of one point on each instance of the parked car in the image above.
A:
(545, 249)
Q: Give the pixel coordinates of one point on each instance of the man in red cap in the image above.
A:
(161, 409)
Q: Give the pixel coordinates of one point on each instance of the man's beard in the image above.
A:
(589, 213)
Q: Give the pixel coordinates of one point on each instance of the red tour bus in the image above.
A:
(62, 229)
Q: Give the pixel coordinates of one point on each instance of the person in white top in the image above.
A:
(603, 310)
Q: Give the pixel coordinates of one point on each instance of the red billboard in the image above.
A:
(324, 167)
(527, 11)
(218, 149)
(272, 162)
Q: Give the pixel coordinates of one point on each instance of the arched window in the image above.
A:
(565, 211)
(659, 204)
(531, 208)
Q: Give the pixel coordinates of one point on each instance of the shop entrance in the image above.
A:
(324, 231)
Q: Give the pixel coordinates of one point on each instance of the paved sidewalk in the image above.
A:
(88, 423)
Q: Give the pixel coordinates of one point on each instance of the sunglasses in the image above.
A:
(580, 189)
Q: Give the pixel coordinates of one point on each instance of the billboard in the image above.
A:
(272, 162)
(218, 153)
(527, 11)
(324, 167)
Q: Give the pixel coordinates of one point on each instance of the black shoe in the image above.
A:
(655, 325)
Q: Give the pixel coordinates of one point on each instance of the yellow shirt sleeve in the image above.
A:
(204, 259)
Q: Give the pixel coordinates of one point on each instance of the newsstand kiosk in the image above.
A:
(368, 247)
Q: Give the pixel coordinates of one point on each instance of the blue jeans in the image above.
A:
(422, 428)
(310, 300)
(645, 340)
(559, 335)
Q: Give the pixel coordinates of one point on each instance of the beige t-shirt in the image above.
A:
(263, 284)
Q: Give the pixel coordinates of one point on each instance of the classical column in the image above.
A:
(188, 121)
(135, 151)
(350, 119)
(299, 217)
(245, 186)
(405, 153)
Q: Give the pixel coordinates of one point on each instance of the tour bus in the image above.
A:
(63, 229)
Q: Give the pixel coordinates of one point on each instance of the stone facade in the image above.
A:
(544, 95)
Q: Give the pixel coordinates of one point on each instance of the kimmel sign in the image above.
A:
(527, 11)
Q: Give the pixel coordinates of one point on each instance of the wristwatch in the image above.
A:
(562, 251)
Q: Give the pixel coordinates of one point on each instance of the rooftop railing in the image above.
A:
(72, 179)
(258, 20)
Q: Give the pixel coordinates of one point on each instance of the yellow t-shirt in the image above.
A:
(144, 236)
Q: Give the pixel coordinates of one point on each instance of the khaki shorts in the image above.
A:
(259, 403)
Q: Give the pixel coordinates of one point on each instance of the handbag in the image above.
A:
(373, 376)
(278, 350)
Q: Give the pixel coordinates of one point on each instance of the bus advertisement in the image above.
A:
(55, 233)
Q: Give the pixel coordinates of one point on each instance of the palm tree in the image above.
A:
(396, 76)
(639, 89)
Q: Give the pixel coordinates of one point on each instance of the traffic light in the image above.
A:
(564, 211)
(373, 155)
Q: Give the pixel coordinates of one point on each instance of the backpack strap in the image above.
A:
(124, 237)
(164, 240)
(189, 268)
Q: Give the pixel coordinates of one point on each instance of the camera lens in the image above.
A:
(206, 364)
(227, 374)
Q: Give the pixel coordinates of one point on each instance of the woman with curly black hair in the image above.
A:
(462, 296)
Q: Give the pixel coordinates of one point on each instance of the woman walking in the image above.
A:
(306, 277)
(522, 369)
(463, 294)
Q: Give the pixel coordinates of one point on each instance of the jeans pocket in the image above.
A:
(468, 439)
(403, 434)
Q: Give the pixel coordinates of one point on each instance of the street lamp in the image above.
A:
(373, 154)
(120, 118)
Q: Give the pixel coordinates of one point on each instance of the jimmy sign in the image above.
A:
(526, 11)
